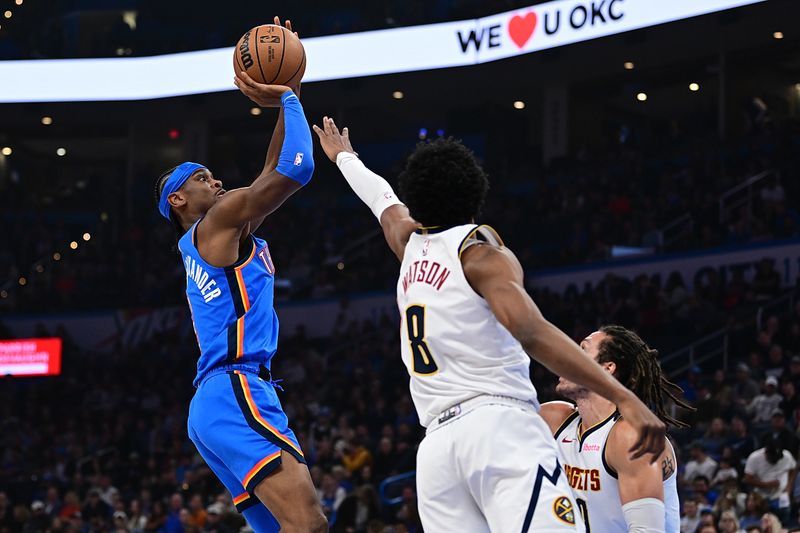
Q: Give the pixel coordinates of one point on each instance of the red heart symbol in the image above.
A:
(521, 28)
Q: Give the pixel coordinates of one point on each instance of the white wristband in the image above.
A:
(646, 515)
(372, 189)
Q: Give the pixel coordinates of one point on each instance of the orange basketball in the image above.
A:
(271, 54)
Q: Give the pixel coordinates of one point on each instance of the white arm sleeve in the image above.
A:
(646, 515)
(371, 188)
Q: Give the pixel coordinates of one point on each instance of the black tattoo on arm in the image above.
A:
(667, 467)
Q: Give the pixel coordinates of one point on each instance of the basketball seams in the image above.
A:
(258, 55)
(283, 53)
(302, 64)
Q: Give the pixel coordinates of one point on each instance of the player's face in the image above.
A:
(590, 345)
(201, 190)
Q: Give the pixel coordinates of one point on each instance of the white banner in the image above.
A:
(370, 53)
(692, 267)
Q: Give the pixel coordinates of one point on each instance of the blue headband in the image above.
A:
(174, 182)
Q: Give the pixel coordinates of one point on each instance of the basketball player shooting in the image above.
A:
(235, 418)
(618, 494)
(488, 461)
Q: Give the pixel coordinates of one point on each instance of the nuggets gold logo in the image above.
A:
(564, 511)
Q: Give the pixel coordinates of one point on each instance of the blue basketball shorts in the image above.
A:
(238, 425)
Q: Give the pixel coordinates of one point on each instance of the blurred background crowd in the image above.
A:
(649, 171)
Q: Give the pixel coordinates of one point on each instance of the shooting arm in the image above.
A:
(273, 155)
(294, 169)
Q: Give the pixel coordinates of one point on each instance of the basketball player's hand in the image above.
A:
(333, 142)
(260, 93)
(288, 26)
(651, 430)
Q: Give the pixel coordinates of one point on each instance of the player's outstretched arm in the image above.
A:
(294, 168)
(372, 189)
(495, 274)
(641, 482)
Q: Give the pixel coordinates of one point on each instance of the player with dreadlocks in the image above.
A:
(617, 493)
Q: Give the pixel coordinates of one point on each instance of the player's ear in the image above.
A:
(610, 367)
(176, 199)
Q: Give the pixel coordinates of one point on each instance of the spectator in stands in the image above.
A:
(214, 522)
(690, 518)
(721, 391)
(136, 519)
(775, 362)
(741, 441)
(725, 473)
(702, 492)
(763, 405)
(755, 507)
(780, 434)
(331, 495)
(699, 465)
(771, 471)
(791, 400)
(715, 438)
(357, 510)
(173, 523)
(771, 523)
(95, 510)
(728, 523)
(746, 388)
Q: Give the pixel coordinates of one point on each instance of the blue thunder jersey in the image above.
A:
(232, 307)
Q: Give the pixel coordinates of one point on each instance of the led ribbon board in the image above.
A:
(30, 357)
(433, 46)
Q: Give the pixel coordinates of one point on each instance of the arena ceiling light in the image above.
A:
(777, 35)
(642, 97)
(519, 104)
(255, 111)
(398, 95)
(694, 87)
(370, 53)
(628, 65)
(47, 121)
(6, 151)
(61, 152)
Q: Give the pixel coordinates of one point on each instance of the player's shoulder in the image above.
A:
(557, 414)
(622, 437)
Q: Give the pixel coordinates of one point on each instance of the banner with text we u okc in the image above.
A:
(563, 22)
(432, 46)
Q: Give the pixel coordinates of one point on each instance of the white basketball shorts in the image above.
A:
(490, 464)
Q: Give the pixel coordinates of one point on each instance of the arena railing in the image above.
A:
(717, 344)
(389, 486)
(742, 195)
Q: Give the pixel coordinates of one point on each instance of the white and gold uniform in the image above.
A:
(594, 481)
(488, 462)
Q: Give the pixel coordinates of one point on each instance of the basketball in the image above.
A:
(270, 54)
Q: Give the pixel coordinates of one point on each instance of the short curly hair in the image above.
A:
(443, 184)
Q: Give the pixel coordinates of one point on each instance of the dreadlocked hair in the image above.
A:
(162, 179)
(639, 370)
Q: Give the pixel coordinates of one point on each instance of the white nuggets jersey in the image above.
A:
(451, 342)
(595, 482)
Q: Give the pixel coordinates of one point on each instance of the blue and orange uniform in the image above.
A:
(235, 419)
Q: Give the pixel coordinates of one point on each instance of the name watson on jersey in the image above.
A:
(425, 271)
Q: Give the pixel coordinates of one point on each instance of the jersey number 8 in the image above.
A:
(421, 359)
